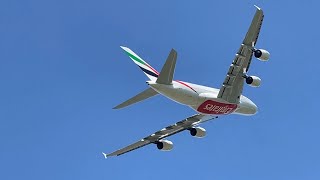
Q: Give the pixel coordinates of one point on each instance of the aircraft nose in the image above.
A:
(254, 108)
(251, 108)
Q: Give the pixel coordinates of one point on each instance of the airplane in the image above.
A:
(209, 103)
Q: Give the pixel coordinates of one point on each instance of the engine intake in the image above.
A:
(261, 54)
(198, 132)
(164, 145)
(253, 81)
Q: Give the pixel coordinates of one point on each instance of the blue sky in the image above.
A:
(62, 71)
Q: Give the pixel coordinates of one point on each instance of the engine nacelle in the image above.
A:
(198, 132)
(253, 81)
(261, 54)
(164, 145)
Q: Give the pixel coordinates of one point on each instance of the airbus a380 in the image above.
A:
(209, 103)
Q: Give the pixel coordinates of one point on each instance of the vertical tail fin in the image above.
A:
(167, 71)
(149, 71)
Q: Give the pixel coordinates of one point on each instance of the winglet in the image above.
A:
(257, 7)
(105, 155)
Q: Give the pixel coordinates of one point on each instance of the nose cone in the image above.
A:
(250, 109)
(247, 107)
(253, 108)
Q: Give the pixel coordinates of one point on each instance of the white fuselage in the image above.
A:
(203, 99)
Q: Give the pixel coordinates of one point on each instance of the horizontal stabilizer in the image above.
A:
(140, 97)
(166, 74)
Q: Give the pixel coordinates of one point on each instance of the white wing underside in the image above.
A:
(165, 132)
(232, 86)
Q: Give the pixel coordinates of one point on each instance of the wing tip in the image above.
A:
(105, 155)
(119, 106)
(257, 7)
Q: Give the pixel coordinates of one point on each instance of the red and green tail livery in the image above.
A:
(144, 66)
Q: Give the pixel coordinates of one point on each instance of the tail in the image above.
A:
(149, 71)
(165, 77)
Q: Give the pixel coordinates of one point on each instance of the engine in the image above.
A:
(164, 145)
(253, 81)
(198, 132)
(261, 54)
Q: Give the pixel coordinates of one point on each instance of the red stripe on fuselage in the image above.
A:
(186, 85)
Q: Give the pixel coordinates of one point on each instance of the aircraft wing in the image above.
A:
(163, 133)
(232, 86)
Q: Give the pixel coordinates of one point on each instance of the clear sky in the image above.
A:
(62, 71)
